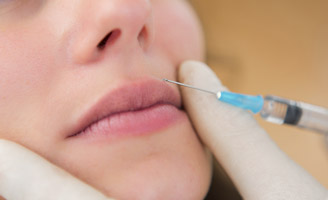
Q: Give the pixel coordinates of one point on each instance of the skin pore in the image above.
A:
(58, 58)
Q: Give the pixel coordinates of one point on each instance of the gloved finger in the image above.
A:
(25, 175)
(257, 166)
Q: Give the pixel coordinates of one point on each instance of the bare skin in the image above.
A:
(56, 63)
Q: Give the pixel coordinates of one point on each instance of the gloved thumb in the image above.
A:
(256, 165)
(205, 109)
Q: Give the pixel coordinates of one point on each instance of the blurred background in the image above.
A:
(277, 47)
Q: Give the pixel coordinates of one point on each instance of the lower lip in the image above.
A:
(134, 123)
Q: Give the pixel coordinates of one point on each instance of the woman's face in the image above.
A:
(81, 85)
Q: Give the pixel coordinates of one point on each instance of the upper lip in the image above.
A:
(133, 96)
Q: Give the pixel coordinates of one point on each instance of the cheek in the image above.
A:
(23, 74)
(22, 60)
(178, 31)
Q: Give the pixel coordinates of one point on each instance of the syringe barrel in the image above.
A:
(285, 111)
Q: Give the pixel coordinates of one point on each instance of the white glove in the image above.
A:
(26, 175)
(258, 168)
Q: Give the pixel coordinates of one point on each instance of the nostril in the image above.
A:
(109, 38)
(103, 42)
(142, 37)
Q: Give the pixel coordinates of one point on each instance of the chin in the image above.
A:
(170, 164)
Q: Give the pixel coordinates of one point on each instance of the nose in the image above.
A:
(105, 24)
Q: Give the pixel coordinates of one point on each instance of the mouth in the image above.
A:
(136, 108)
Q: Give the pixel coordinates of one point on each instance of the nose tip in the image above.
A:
(113, 24)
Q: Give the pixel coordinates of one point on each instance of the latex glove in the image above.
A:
(259, 169)
(26, 175)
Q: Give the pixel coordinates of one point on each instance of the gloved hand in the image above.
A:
(25, 175)
(258, 168)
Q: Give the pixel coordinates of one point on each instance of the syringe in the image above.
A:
(275, 109)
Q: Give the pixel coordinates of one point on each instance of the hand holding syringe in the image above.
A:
(275, 109)
(256, 165)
